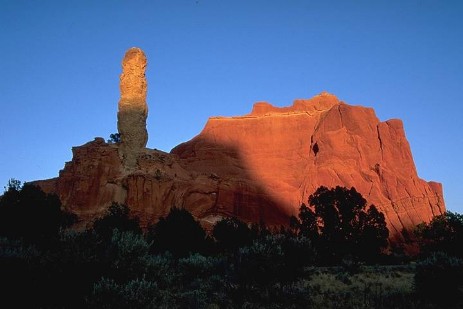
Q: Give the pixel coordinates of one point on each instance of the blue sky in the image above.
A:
(60, 66)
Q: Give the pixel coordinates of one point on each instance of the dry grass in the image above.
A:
(370, 287)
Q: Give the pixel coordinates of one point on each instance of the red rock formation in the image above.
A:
(133, 110)
(91, 181)
(292, 151)
(258, 167)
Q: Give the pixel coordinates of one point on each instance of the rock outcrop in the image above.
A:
(133, 110)
(259, 167)
(291, 151)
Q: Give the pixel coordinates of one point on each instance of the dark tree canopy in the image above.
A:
(306, 224)
(27, 212)
(231, 234)
(339, 224)
(444, 233)
(117, 217)
(179, 233)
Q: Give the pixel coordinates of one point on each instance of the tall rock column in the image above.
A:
(133, 110)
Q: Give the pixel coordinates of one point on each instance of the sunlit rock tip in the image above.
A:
(259, 167)
(133, 82)
(133, 110)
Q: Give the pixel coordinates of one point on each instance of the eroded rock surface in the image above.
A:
(291, 151)
(259, 167)
(133, 110)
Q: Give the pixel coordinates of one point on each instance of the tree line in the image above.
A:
(175, 263)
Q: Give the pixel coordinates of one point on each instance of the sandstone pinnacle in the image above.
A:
(259, 167)
(133, 110)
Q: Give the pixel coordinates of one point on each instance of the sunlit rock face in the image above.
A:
(258, 167)
(289, 152)
(91, 181)
(133, 110)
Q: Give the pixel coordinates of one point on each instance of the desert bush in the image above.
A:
(118, 217)
(162, 269)
(439, 279)
(261, 263)
(197, 266)
(137, 293)
(19, 264)
(127, 255)
(368, 288)
(276, 296)
(298, 253)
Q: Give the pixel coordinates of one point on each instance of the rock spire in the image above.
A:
(133, 110)
(259, 167)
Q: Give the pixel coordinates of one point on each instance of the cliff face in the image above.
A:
(292, 151)
(89, 183)
(260, 167)
(96, 177)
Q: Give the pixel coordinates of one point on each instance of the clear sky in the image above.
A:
(60, 63)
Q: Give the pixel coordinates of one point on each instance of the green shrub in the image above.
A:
(127, 255)
(162, 269)
(261, 263)
(118, 217)
(197, 266)
(138, 293)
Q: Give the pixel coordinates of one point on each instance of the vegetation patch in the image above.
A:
(332, 256)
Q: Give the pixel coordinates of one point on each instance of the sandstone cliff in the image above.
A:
(259, 167)
(289, 152)
(133, 110)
